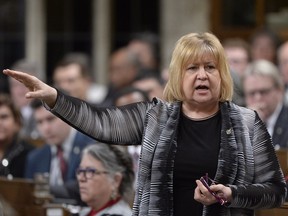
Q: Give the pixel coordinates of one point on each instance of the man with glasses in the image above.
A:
(264, 92)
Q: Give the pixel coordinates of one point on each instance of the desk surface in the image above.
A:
(19, 195)
(282, 155)
(281, 211)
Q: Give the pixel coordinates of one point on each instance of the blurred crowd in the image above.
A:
(33, 141)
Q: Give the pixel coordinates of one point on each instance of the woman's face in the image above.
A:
(95, 191)
(8, 126)
(202, 81)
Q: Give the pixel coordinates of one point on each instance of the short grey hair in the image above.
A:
(265, 68)
(115, 159)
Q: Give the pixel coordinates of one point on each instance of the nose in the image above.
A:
(201, 75)
(257, 96)
(81, 177)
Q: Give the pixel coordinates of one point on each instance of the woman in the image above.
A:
(13, 149)
(105, 178)
(198, 130)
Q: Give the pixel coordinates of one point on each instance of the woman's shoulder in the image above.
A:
(237, 108)
(120, 208)
(20, 147)
(240, 115)
(162, 103)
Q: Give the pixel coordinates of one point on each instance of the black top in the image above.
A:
(197, 154)
(15, 158)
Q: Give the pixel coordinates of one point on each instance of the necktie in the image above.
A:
(62, 161)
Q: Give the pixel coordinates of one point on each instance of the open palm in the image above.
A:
(37, 88)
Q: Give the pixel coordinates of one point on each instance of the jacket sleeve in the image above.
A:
(123, 125)
(269, 188)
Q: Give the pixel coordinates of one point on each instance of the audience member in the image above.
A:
(238, 57)
(264, 92)
(73, 74)
(164, 74)
(13, 148)
(129, 95)
(264, 44)
(151, 84)
(124, 68)
(283, 66)
(59, 156)
(238, 54)
(105, 177)
(238, 94)
(17, 92)
(145, 46)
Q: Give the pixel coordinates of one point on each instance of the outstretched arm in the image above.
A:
(37, 88)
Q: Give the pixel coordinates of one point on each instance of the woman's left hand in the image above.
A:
(203, 196)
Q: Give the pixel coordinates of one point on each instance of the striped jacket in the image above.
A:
(247, 160)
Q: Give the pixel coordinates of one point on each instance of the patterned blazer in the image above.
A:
(247, 160)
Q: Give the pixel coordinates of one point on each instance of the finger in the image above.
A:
(20, 76)
(29, 81)
(31, 95)
(197, 193)
(13, 73)
(202, 188)
(216, 187)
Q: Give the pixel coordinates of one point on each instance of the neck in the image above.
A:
(108, 204)
(199, 112)
(4, 144)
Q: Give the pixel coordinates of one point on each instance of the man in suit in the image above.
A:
(59, 156)
(264, 92)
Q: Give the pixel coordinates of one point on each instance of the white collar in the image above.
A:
(271, 121)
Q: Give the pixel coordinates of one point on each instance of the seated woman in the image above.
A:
(105, 177)
(13, 149)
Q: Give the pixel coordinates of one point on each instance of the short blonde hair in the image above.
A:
(192, 47)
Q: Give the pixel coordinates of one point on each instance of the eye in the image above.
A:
(193, 68)
(4, 117)
(91, 170)
(210, 68)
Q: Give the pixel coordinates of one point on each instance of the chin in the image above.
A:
(84, 198)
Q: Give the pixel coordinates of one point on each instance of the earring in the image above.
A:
(113, 195)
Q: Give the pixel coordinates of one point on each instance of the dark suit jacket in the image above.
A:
(39, 160)
(280, 134)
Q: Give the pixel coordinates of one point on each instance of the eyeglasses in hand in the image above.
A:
(206, 181)
(89, 172)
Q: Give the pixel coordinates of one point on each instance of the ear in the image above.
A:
(118, 179)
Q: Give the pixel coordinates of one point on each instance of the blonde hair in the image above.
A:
(192, 47)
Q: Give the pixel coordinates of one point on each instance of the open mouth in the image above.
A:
(202, 87)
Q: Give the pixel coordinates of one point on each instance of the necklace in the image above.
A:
(203, 118)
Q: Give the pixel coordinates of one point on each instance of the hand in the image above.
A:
(203, 196)
(37, 88)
